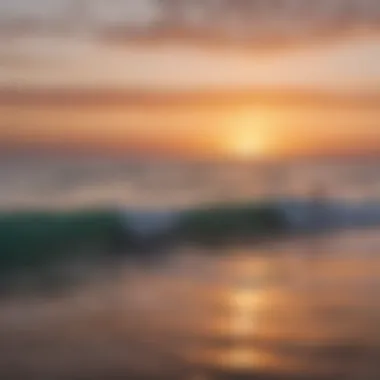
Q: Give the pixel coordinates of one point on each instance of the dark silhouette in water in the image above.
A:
(319, 200)
(319, 193)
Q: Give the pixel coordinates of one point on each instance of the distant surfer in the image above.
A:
(319, 194)
(318, 198)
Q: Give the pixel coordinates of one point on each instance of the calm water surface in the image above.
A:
(307, 308)
(34, 181)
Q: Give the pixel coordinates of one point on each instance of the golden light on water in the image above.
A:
(245, 304)
(242, 322)
(244, 299)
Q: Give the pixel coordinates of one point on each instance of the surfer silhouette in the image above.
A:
(318, 197)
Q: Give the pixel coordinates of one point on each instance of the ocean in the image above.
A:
(51, 181)
(299, 306)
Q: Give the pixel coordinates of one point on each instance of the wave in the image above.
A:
(317, 215)
(29, 239)
(286, 215)
(37, 239)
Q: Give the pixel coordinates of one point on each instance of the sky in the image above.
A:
(350, 64)
(347, 65)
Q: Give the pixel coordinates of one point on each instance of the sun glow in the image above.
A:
(245, 139)
(247, 147)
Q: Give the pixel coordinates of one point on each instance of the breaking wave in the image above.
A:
(28, 238)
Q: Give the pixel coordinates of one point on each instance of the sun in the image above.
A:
(247, 135)
(246, 146)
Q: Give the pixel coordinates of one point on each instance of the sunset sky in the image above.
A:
(346, 66)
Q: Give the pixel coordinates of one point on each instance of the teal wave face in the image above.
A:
(36, 239)
(39, 238)
(224, 222)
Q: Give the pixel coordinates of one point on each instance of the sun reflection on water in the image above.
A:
(244, 299)
(244, 305)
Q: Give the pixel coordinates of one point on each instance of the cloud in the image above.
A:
(17, 62)
(63, 62)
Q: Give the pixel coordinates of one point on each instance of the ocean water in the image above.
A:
(50, 181)
(302, 307)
